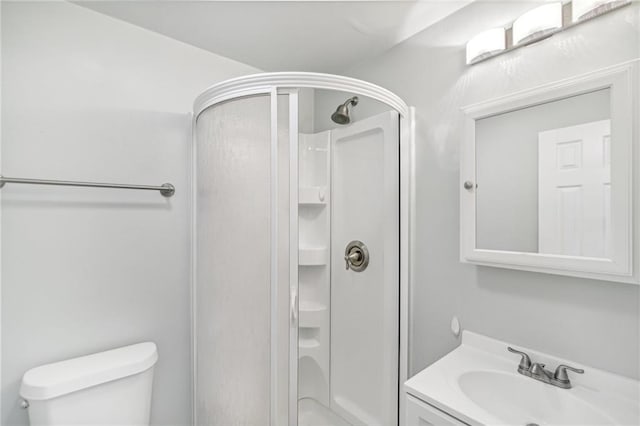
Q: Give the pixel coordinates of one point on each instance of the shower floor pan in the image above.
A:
(312, 413)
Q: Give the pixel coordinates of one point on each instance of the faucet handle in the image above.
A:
(525, 361)
(561, 373)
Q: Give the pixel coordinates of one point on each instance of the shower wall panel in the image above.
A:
(365, 305)
(314, 277)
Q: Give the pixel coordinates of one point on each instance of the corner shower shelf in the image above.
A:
(309, 347)
(308, 343)
(312, 195)
(311, 256)
(312, 314)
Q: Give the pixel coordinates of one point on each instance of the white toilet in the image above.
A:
(107, 388)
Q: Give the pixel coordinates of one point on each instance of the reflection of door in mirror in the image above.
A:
(575, 190)
(509, 162)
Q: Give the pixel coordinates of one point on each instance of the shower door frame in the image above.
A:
(288, 83)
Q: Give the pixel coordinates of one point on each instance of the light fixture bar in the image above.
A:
(487, 43)
(583, 10)
(535, 25)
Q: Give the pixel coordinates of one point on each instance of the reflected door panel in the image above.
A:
(575, 190)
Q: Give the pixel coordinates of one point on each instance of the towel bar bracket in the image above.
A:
(167, 190)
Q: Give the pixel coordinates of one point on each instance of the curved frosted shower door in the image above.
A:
(241, 365)
(233, 297)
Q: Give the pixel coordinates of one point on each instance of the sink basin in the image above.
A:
(519, 400)
(478, 384)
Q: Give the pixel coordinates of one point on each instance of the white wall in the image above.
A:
(88, 97)
(592, 322)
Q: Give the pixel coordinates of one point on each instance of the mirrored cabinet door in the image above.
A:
(547, 178)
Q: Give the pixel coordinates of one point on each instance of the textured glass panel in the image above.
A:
(233, 297)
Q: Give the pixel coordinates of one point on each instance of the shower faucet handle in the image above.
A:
(351, 258)
(356, 256)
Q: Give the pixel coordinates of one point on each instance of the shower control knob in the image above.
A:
(356, 256)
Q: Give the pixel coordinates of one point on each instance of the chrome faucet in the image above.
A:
(538, 371)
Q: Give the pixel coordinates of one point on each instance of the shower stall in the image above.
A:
(301, 251)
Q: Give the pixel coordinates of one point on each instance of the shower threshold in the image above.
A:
(312, 413)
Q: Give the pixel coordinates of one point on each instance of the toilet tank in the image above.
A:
(106, 388)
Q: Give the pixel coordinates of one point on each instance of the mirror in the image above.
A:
(543, 178)
(546, 178)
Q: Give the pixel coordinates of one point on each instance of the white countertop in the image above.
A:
(478, 383)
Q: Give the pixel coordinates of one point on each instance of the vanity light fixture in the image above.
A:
(586, 9)
(486, 44)
(537, 24)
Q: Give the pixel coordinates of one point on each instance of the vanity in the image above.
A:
(478, 383)
(549, 184)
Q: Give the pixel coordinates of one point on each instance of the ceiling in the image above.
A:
(321, 36)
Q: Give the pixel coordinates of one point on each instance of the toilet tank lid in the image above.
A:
(60, 378)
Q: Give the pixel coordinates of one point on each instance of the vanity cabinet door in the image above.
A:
(422, 414)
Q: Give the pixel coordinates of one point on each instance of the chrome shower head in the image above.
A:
(341, 116)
